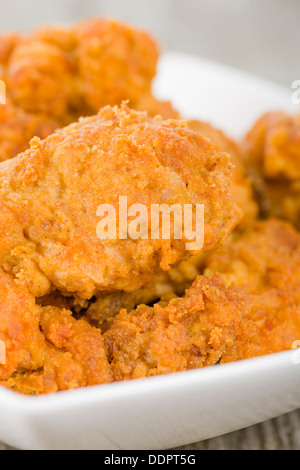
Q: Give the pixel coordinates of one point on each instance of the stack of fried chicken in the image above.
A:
(81, 128)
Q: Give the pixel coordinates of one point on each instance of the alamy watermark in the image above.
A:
(2, 92)
(161, 221)
(2, 353)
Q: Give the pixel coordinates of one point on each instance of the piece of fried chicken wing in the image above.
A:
(17, 128)
(272, 157)
(68, 72)
(45, 348)
(58, 74)
(50, 197)
(242, 190)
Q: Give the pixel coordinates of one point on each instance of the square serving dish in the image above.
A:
(168, 411)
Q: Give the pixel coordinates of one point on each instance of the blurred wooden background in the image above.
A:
(260, 37)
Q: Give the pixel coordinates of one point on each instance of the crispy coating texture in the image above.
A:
(265, 263)
(241, 185)
(58, 74)
(75, 71)
(51, 193)
(179, 278)
(19, 328)
(269, 254)
(272, 156)
(246, 305)
(205, 327)
(17, 128)
(47, 350)
(155, 107)
(7, 44)
(106, 305)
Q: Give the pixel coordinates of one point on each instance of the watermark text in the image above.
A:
(2, 353)
(2, 92)
(160, 221)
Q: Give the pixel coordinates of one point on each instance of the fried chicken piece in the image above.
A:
(78, 341)
(115, 63)
(7, 44)
(46, 348)
(58, 74)
(247, 305)
(19, 328)
(241, 185)
(267, 256)
(178, 279)
(66, 72)
(106, 305)
(49, 197)
(156, 107)
(265, 262)
(17, 128)
(39, 79)
(272, 156)
(205, 327)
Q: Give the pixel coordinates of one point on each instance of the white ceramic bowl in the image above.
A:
(169, 411)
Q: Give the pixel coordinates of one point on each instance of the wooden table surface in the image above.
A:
(268, 36)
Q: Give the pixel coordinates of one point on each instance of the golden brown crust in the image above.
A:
(18, 128)
(46, 349)
(206, 326)
(272, 156)
(268, 253)
(50, 195)
(58, 74)
(242, 191)
(78, 70)
(246, 305)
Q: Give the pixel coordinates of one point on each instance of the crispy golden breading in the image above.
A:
(39, 79)
(265, 257)
(179, 278)
(59, 74)
(17, 128)
(46, 349)
(73, 307)
(106, 305)
(7, 44)
(247, 305)
(156, 107)
(265, 263)
(207, 326)
(19, 328)
(50, 194)
(241, 185)
(272, 156)
(273, 146)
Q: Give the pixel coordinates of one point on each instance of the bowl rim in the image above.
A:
(105, 393)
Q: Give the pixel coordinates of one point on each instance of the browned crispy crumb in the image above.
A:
(51, 193)
(272, 156)
(58, 74)
(246, 305)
